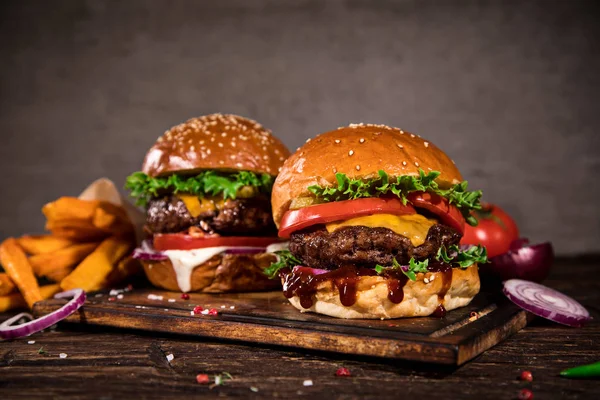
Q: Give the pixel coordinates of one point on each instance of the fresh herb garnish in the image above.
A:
(285, 259)
(350, 189)
(41, 350)
(464, 258)
(144, 187)
(452, 255)
(411, 270)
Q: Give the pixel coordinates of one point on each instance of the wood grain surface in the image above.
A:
(268, 318)
(115, 364)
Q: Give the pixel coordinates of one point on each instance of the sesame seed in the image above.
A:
(426, 280)
(337, 141)
(411, 135)
(265, 157)
(220, 144)
(426, 144)
(192, 148)
(401, 132)
(232, 156)
(358, 167)
(334, 170)
(416, 164)
(400, 146)
(361, 140)
(431, 278)
(208, 151)
(403, 162)
(221, 162)
(351, 152)
(307, 140)
(239, 165)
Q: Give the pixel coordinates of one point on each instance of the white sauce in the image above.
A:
(272, 248)
(185, 261)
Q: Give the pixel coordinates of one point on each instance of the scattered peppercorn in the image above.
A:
(198, 309)
(213, 311)
(202, 379)
(525, 394)
(526, 376)
(343, 372)
(185, 296)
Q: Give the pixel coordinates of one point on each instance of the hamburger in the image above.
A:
(374, 216)
(206, 186)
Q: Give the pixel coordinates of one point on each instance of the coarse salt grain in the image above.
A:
(98, 295)
(63, 355)
(170, 357)
(120, 296)
(231, 307)
(222, 306)
(204, 312)
(31, 342)
(115, 292)
(154, 297)
(307, 382)
(172, 300)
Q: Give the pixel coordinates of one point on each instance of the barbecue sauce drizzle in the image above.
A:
(303, 282)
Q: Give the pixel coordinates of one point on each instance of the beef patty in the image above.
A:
(248, 217)
(366, 247)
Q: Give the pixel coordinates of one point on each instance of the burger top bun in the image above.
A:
(359, 151)
(216, 141)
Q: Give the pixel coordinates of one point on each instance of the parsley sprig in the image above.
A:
(350, 189)
(144, 187)
(285, 259)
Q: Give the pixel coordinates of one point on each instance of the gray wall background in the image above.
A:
(508, 89)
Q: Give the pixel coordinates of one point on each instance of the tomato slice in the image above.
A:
(438, 205)
(295, 220)
(183, 241)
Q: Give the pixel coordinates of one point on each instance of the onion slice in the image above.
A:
(545, 302)
(10, 331)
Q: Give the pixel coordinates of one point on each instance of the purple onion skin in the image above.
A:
(531, 263)
(313, 271)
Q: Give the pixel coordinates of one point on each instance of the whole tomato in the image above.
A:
(496, 230)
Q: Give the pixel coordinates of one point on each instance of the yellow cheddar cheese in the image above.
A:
(196, 205)
(414, 227)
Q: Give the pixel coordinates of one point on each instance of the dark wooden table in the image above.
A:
(133, 365)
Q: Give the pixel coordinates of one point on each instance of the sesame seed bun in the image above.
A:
(421, 297)
(359, 151)
(216, 141)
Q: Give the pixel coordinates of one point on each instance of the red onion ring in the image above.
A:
(545, 302)
(313, 271)
(531, 263)
(10, 331)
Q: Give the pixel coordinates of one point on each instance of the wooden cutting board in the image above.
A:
(268, 318)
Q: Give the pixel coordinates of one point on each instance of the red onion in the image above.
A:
(246, 250)
(10, 331)
(531, 263)
(545, 302)
(141, 254)
(313, 271)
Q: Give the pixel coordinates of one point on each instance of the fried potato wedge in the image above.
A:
(17, 266)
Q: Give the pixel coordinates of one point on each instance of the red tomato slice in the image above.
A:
(295, 220)
(438, 205)
(182, 241)
(495, 231)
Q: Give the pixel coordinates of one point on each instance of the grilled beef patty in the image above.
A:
(248, 217)
(366, 247)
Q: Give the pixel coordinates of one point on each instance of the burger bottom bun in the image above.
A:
(420, 298)
(222, 273)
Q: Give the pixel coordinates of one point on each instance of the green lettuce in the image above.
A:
(350, 189)
(207, 183)
(285, 259)
(463, 258)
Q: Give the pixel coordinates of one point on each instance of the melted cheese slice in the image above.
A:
(196, 205)
(414, 227)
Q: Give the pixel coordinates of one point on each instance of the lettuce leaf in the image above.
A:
(207, 183)
(285, 259)
(463, 258)
(350, 189)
